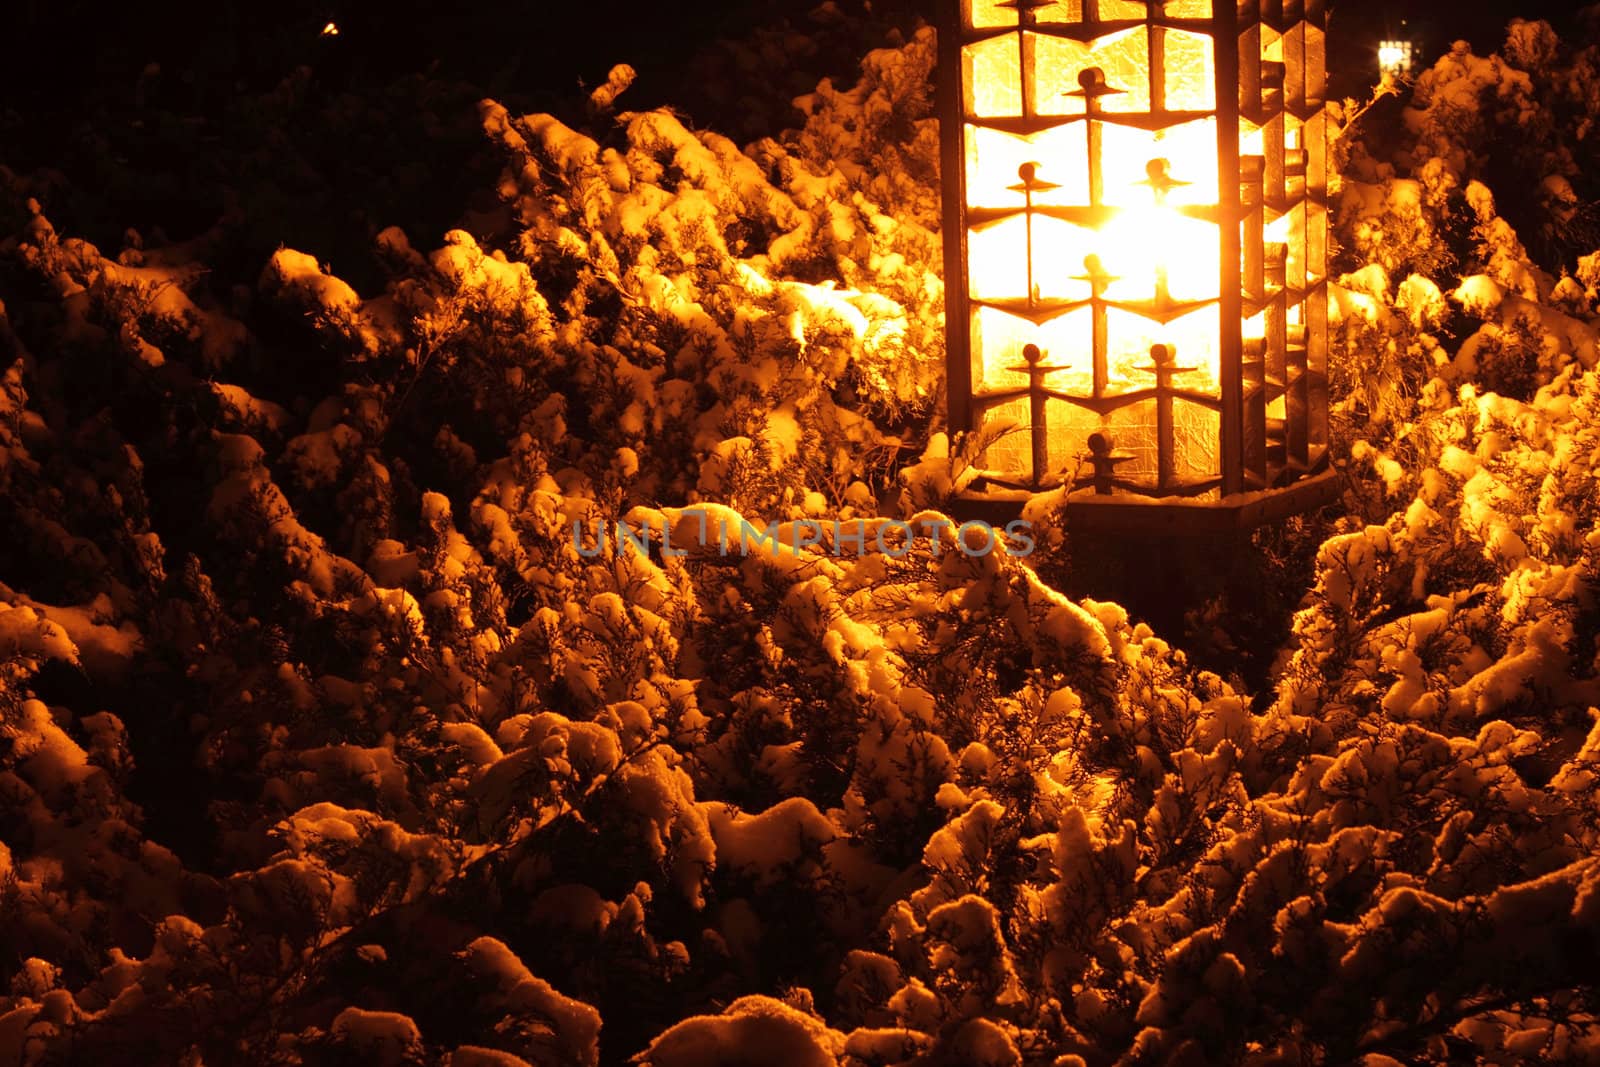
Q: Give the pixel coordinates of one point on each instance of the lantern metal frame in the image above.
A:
(1266, 467)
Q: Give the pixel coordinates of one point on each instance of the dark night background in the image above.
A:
(81, 80)
(68, 59)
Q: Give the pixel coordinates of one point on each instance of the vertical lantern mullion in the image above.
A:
(1027, 56)
(1160, 357)
(1100, 339)
(1315, 138)
(1225, 42)
(1304, 84)
(1279, 367)
(1253, 353)
(1155, 48)
(1263, 387)
(1294, 58)
(952, 95)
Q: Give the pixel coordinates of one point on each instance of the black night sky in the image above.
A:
(535, 48)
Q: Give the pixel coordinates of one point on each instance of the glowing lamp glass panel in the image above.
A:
(1120, 55)
(1113, 212)
(1394, 57)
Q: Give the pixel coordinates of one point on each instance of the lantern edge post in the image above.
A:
(949, 105)
(1230, 445)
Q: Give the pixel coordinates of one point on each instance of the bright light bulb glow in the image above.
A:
(1150, 253)
(1142, 246)
(1394, 57)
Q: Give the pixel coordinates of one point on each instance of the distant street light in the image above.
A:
(1395, 58)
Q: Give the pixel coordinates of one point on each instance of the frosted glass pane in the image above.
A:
(1196, 433)
(999, 338)
(1138, 244)
(997, 341)
(1193, 337)
(1190, 150)
(993, 78)
(1294, 224)
(1060, 13)
(1316, 261)
(1012, 454)
(1191, 72)
(1254, 328)
(993, 159)
(1276, 231)
(1121, 9)
(1304, 229)
(998, 261)
(1069, 428)
(1252, 140)
(1123, 57)
(1067, 439)
(987, 14)
(1133, 432)
(1189, 9)
(1316, 62)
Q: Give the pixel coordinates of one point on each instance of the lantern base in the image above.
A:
(1161, 558)
(1156, 517)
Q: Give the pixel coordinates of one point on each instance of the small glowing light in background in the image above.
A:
(331, 30)
(1394, 57)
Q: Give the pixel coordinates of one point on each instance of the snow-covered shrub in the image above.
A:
(459, 789)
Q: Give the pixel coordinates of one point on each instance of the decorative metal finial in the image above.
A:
(1092, 85)
(1162, 365)
(1104, 463)
(1035, 367)
(1095, 273)
(1158, 178)
(1099, 279)
(1030, 181)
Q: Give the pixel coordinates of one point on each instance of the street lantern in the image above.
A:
(1136, 251)
(1395, 58)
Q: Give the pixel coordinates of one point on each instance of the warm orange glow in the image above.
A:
(1142, 238)
(331, 30)
(1145, 247)
(1094, 209)
(1141, 249)
(1394, 57)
